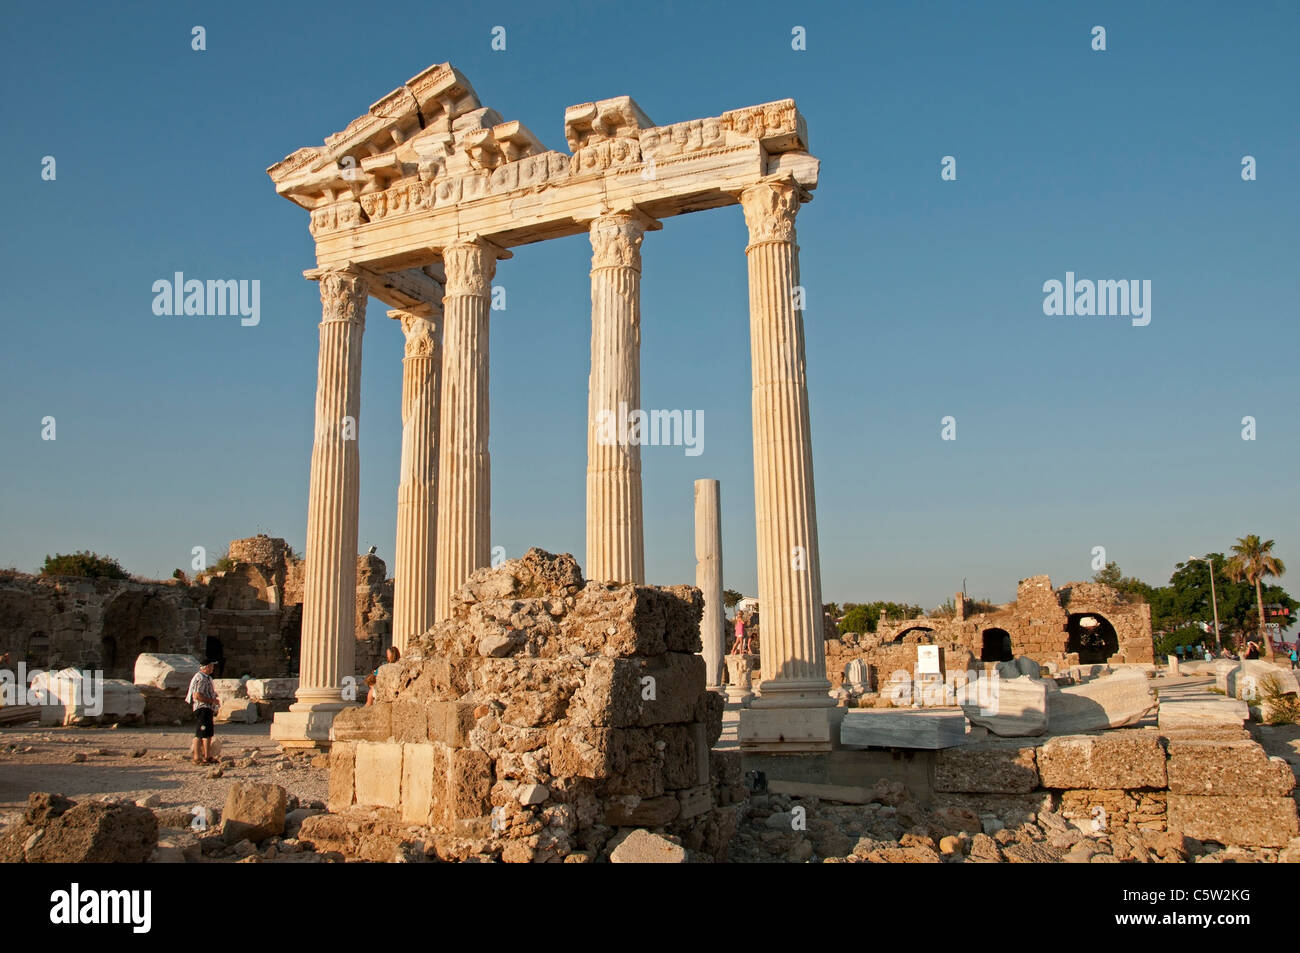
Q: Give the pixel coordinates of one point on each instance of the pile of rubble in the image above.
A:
(545, 720)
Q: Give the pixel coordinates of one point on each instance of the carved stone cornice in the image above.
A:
(616, 240)
(343, 297)
(770, 208)
(470, 267)
(421, 327)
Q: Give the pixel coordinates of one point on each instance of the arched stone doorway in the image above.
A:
(995, 646)
(1092, 636)
(924, 635)
(130, 620)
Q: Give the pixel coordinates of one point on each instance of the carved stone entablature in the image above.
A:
(589, 123)
(331, 218)
(778, 126)
(429, 165)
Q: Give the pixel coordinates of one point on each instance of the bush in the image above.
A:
(84, 563)
(1278, 709)
(1188, 635)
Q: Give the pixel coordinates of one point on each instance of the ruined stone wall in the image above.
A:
(546, 715)
(1036, 622)
(253, 610)
(1214, 785)
(71, 621)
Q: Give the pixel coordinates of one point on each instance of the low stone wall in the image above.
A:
(543, 717)
(1212, 786)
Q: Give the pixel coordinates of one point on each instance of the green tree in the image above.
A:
(730, 597)
(864, 617)
(1127, 585)
(83, 563)
(1251, 561)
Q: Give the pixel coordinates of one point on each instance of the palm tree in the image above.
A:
(1252, 560)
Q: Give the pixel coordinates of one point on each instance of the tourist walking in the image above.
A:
(202, 695)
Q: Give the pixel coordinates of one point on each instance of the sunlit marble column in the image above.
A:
(615, 533)
(330, 583)
(464, 471)
(415, 563)
(789, 580)
(708, 578)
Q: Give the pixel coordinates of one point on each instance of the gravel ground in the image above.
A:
(44, 759)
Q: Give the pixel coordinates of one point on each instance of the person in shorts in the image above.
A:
(203, 696)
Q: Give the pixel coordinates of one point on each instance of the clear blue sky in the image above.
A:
(924, 297)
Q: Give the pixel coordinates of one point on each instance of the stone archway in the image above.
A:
(922, 633)
(24, 628)
(1091, 635)
(130, 620)
(995, 646)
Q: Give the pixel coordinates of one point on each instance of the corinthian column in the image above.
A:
(330, 583)
(417, 489)
(708, 577)
(615, 535)
(464, 476)
(789, 575)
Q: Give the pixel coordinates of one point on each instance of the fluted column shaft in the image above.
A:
(330, 583)
(789, 574)
(615, 534)
(415, 563)
(464, 473)
(708, 577)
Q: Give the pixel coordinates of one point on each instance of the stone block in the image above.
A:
(695, 801)
(378, 774)
(342, 789)
(624, 692)
(1008, 707)
(1120, 761)
(271, 689)
(631, 811)
(578, 752)
(1226, 768)
(791, 730)
(1247, 680)
(254, 811)
(165, 671)
(469, 784)
(530, 709)
(1241, 821)
(363, 723)
(451, 723)
(229, 688)
(242, 711)
(410, 721)
(422, 781)
(986, 769)
(642, 847)
(1110, 701)
(929, 729)
(1193, 713)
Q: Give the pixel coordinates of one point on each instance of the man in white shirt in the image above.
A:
(202, 695)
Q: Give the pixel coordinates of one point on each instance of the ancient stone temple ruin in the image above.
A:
(415, 203)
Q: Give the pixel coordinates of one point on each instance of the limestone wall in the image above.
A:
(544, 716)
(1212, 785)
(253, 610)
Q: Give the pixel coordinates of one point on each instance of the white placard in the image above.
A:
(927, 660)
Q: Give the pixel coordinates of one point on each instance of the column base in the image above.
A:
(308, 721)
(790, 730)
(789, 693)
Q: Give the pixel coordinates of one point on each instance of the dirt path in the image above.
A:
(35, 759)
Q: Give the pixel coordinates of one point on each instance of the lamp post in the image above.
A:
(1214, 599)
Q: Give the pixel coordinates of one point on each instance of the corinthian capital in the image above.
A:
(616, 240)
(470, 266)
(770, 208)
(422, 328)
(343, 297)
